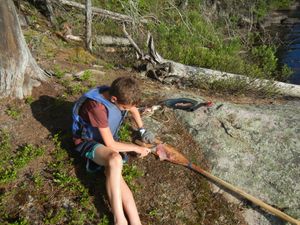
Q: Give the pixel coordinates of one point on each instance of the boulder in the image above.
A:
(254, 147)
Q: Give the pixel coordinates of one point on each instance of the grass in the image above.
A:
(104, 220)
(153, 213)
(17, 161)
(216, 42)
(5, 145)
(80, 55)
(130, 173)
(235, 86)
(55, 217)
(86, 76)
(14, 112)
(125, 132)
(29, 100)
(58, 72)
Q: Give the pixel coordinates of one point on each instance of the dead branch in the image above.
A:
(138, 50)
(102, 12)
(112, 41)
(88, 22)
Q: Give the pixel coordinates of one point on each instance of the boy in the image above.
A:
(97, 116)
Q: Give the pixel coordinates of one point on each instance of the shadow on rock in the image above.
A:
(56, 115)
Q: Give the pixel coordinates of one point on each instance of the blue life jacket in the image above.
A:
(86, 131)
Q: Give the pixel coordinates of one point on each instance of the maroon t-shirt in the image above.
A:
(93, 113)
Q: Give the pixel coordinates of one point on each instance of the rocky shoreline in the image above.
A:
(254, 147)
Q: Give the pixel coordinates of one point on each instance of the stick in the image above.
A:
(102, 12)
(177, 158)
(249, 197)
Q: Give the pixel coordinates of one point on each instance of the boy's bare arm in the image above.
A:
(119, 146)
(136, 116)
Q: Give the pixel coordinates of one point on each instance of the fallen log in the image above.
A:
(112, 41)
(168, 71)
(102, 12)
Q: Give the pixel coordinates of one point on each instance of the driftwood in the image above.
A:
(66, 33)
(112, 41)
(102, 12)
(168, 71)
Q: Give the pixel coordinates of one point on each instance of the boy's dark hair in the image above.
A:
(126, 89)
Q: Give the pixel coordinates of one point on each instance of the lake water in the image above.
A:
(290, 52)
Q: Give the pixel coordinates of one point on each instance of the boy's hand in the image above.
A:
(146, 136)
(142, 151)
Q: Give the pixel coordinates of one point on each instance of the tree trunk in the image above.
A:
(51, 14)
(88, 24)
(19, 72)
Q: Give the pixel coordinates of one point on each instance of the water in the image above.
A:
(290, 52)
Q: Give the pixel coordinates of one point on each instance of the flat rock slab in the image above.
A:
(254, 147)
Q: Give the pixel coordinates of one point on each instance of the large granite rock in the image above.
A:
(254, 147)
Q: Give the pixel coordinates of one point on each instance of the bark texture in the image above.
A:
(19, 72)
(112, 41)
(88, 18)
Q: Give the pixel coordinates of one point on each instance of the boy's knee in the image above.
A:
(115, 160)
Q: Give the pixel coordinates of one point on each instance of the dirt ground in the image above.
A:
(55, 188)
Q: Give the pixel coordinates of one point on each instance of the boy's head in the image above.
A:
(125, 92)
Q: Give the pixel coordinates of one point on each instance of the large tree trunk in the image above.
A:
(19, 72)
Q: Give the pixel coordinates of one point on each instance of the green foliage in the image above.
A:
(5, 144)
(80, 55)
(266, 59)
(104, 220)
(77, 88)
(203, 45)
(55, 217)
(193, 39)
(29, 100)
(14, 112)
(235, 86)
(38, 180)
(285, 73)
(125, 132)
(15, 162)
(86, 75)
(59, 72)
(263, 7)
(59, 154)
(63, 179)
(108, 66)
(153, 213)
(73, 88)
(20, 222)
(131, 172)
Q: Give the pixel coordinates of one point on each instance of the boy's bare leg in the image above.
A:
(129, 204)
(113, 170)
